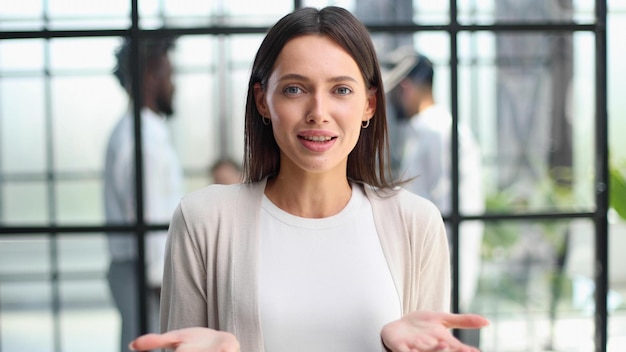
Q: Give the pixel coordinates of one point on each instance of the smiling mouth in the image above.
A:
(319, 139)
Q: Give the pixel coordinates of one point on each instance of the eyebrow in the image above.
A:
(304, 78)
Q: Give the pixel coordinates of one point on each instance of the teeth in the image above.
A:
(317, 138)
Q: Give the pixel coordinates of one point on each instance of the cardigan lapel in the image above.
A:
(244, 261)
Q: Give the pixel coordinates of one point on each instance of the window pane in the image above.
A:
(616, 26)
(24, 255)
(80, 202)
(86, 301)
(389, 11)
(26, 292)
(21, 15)
(28, 296)
(82, 293)
(87, 252)
(527, 107)
(24, 203)
(476, 93)
(194, 52)
(194, 125)
(87, 326)
(82, 54)
(528, 11)
(430, 12)
(26, 322)
(21, 55)
(242, 50)
(471, 238)
(95, 14)
(534, 286)
(22, 125)
(237, 111)
(189, 13)
(617, 283)
(84, 107)
(86, 100)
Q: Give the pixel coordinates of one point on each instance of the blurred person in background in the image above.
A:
(425, 158)
(162, 182)
(226, 171)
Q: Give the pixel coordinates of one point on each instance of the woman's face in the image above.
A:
(317, 99)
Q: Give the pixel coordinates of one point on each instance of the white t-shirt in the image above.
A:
(324, 284)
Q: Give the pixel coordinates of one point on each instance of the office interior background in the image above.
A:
(540, 82)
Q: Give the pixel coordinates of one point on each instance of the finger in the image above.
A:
(154, 341)
(465, 321)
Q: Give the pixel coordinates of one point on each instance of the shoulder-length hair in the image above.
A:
(367, 162)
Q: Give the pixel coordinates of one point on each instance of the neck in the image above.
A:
(425, 104)
(309, 196)
(144, 106)
(151, 105)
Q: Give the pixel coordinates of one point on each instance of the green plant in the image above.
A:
(505, 239)
(617, 190)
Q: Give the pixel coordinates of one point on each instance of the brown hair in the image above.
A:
(367, 162)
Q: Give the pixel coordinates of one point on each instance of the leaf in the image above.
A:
(617, 196)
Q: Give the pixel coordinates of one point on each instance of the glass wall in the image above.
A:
(529, 79)
(616, 24)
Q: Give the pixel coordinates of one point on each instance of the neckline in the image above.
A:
(356, 199)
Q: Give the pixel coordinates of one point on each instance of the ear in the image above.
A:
(259, 99)
(370, 107)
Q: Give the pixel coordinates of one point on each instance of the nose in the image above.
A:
(317, 112)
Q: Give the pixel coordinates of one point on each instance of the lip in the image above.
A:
(317, 141)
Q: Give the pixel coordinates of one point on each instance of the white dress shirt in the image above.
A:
(427, 157)
(163, 187)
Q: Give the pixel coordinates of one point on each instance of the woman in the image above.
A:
(317, 250)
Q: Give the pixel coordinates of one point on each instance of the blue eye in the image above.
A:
(292, 90)
(343, 90)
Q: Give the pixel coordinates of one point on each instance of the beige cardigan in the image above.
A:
(210, 276)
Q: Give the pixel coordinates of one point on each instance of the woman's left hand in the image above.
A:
(424, 331)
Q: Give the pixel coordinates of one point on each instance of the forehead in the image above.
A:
(316, 55)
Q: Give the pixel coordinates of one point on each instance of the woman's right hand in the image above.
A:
(188, 340)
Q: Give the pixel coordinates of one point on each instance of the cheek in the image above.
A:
(354, 114)
(285, 113)
(353, 129)
(275, 106)
(167, 87)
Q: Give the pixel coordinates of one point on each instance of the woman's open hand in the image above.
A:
(188, 340)
(424, 331)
